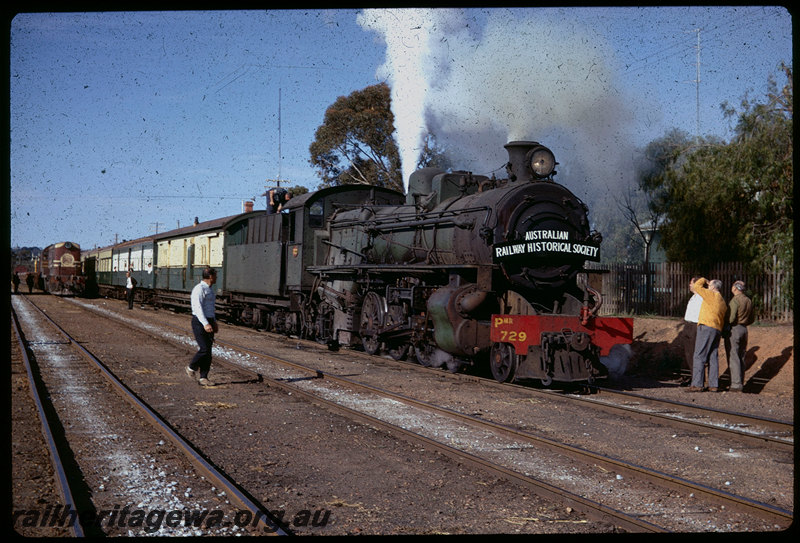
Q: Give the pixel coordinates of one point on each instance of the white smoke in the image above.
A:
(477, 79)
(408, 34)
(617, 360)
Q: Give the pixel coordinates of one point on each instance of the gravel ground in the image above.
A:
(291, 452)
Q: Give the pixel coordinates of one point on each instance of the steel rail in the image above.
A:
(55, 456)
(713, 495)
(590, 507)
(264, 519)
(732, 417)
(762, 510)
(773, 425)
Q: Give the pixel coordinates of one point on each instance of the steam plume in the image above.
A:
(479, 78)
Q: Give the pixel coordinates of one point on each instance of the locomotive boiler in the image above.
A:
(472, 270)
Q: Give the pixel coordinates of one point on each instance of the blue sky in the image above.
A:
(127, 122)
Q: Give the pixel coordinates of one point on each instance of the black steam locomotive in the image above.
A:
(472, 269)
(463, 270)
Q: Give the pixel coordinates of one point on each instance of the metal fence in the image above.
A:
(663, 288)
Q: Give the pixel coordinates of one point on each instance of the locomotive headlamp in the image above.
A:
(542, 161)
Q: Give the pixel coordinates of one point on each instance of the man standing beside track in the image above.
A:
(130, 285)
(709, 331)
(740, 317)
(204, 325)
(690, 329)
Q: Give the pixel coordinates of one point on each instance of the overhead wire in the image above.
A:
(711, 36)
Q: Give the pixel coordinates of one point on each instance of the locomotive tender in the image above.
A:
(463, 270)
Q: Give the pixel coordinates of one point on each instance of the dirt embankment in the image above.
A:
(660, 347)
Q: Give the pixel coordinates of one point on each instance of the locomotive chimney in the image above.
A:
(248, 206)
(517, 167)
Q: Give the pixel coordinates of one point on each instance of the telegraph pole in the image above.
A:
(277, 181)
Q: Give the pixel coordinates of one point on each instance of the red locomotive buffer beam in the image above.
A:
(562, 348)
(523, 331)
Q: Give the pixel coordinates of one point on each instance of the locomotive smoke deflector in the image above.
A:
(529, 160)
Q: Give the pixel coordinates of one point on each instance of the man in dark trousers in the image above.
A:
(130, 285)
(709, 331)
(204, 326)
(690, 319)
(740, 317)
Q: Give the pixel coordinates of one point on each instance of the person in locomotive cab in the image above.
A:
(204, 326)
(740, 317)
(710, 322)
(130, 286)
(690, 330)
(277, 199)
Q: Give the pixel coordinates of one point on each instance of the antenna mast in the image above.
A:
(697, 87)
(278, 180)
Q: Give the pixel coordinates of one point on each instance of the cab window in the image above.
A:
(316, 214)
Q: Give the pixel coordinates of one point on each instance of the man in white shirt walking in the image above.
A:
(204, 326)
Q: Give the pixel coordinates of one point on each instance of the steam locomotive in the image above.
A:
(464, 270)
(471, 269)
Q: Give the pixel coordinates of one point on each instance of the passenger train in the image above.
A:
(463, 270)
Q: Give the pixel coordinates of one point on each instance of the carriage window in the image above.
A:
(315, 214)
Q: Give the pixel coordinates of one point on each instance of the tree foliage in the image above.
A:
(433, 154)
(729, 202)
(355, 142)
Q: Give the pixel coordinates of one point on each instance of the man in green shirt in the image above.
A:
(740, 317)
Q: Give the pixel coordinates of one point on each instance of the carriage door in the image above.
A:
(187, 277)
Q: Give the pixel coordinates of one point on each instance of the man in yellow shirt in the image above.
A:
(709, 331)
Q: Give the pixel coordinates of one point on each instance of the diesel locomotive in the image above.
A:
(61, 269)
(463, 270)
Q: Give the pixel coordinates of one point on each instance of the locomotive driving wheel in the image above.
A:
(372, 317)
(503, 361)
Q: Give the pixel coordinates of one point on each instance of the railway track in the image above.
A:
(111, 483)
(288, 451)
(754, 429)
(724, 501)
(774, 433)
(525, 441)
